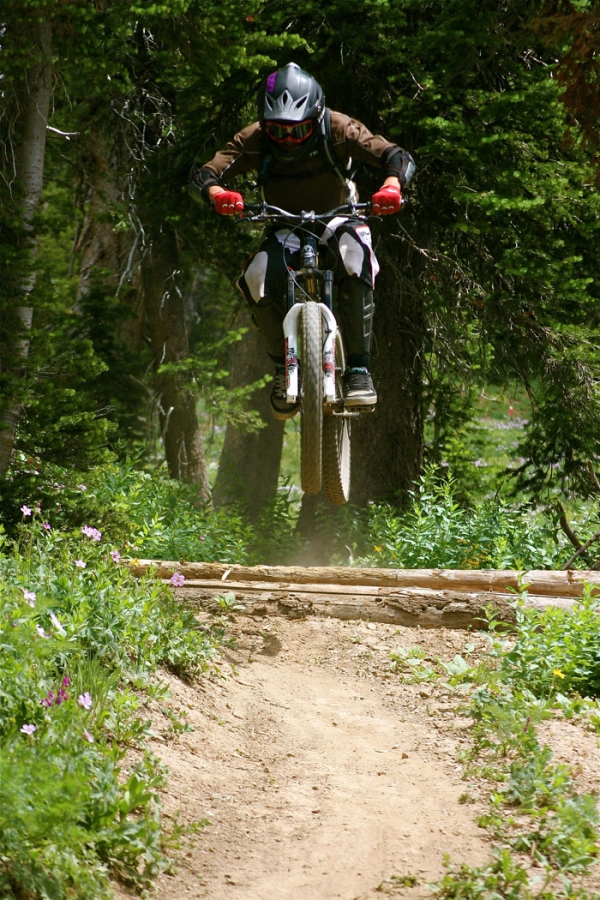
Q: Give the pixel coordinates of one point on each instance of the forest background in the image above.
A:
(125, 347)
(131, 388)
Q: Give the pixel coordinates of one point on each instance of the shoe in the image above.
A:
(358, 387)
(280, 407)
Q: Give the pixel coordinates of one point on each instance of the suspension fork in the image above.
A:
(311, 274)
(291, 325)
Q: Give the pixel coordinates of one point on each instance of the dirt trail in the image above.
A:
(321, 774)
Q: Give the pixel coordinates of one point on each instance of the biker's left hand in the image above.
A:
(386, 201)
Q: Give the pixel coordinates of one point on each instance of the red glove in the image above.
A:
(386, 201)
(228, 203)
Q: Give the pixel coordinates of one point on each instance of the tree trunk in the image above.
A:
(184, 449)
(249, 466)
(387, 445)
(35, 103)
(108, 255)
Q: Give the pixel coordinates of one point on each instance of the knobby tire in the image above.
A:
(336, 442)
(311, 369)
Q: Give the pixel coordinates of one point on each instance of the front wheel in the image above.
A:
(311, 373)
(336, 442)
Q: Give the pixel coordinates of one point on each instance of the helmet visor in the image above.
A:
(289, 133)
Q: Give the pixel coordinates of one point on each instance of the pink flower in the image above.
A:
(87, 736)
(177, 580)
(47, 526)
(66, 681)
(26, 512)
(92, 533)
(48, 701)
(115, 555)
(85, 700)
(80, 564)
(56, 622)
(28, 729)
(29, 597)
(41, 632)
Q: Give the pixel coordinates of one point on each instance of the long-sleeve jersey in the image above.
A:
(319, 179)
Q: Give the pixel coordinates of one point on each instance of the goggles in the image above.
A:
(292, 133)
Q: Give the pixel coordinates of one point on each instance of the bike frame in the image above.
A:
(309, 271)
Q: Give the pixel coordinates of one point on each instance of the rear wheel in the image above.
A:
(311, 373)
(336, 442)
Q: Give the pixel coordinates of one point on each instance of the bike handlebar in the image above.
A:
(263, 212)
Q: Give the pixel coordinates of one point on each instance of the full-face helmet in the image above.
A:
(290, 108)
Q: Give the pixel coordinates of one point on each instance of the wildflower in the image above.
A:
(87, 736)
(28, 729)
(177, 580)
(26, 511)
(116, 556)
(47, 526)
(82, 487)
(29, 597)
(61, 697)
(80, 564)
(377, 549)
(56, 622)
(66, 681)
(85, 700)
(48, 700)
(92, 533)
(202, 537)
(41, 632)
(558, 673)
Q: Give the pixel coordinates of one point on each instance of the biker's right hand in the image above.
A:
(228, 203)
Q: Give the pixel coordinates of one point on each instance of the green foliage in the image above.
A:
(558, 650)
(80, 639)
(209, 381)
(436, 531)
(505, 878)
(534, 807)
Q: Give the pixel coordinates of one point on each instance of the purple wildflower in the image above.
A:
(177, 580)
(61, 697)
(80, 564)
(92, 533)
(28, 729)
(87, 736)
(47, 526)
(26, 510)
(29, 597)
(66, 681)
(41, 632)
(116, 556)
(48, 701)
(85, 700)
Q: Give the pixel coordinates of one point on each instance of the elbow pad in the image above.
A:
(202, 179)
(398, 162)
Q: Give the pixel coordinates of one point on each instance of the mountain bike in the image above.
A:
(315, 357)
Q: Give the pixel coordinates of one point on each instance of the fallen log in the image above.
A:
(538, 582)
(412, 607)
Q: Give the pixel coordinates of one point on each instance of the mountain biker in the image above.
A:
(302, 155)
